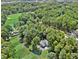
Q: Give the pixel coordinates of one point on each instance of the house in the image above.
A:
(43, 45)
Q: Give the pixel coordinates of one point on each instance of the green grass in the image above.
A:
(30, 56)
(14, 41)
(12, 19)
(21, 52)
(44, 54)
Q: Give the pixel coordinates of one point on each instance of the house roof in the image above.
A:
(44, 43)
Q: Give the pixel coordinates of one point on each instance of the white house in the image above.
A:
(43, 45)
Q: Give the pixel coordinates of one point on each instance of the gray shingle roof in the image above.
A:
(43, 43)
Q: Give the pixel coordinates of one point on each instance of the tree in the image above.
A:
(51, 38)
(68, 56)
(58, 48)
(3, 19)
(4, 33)
(55, 43)
(52, 55)
(5, 50)
(23, 19)
(74, 56)
(35, 42)
(67, 48)
(62, 54)
(27, 41)
(3, 56)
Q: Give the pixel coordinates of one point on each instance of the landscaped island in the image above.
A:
(39, 30)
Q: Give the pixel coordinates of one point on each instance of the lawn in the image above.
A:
(22, 52)
(12, 19)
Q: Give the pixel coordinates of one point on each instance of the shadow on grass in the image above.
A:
(27, 46)
(37, 52)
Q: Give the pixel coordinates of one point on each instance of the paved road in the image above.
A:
(13, 2)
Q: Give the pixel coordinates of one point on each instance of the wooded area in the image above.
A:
(28, 28)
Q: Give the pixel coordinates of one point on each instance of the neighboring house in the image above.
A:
(14, 33)
(76, 33)
(73, 33)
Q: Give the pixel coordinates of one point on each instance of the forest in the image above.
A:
(39, 30)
